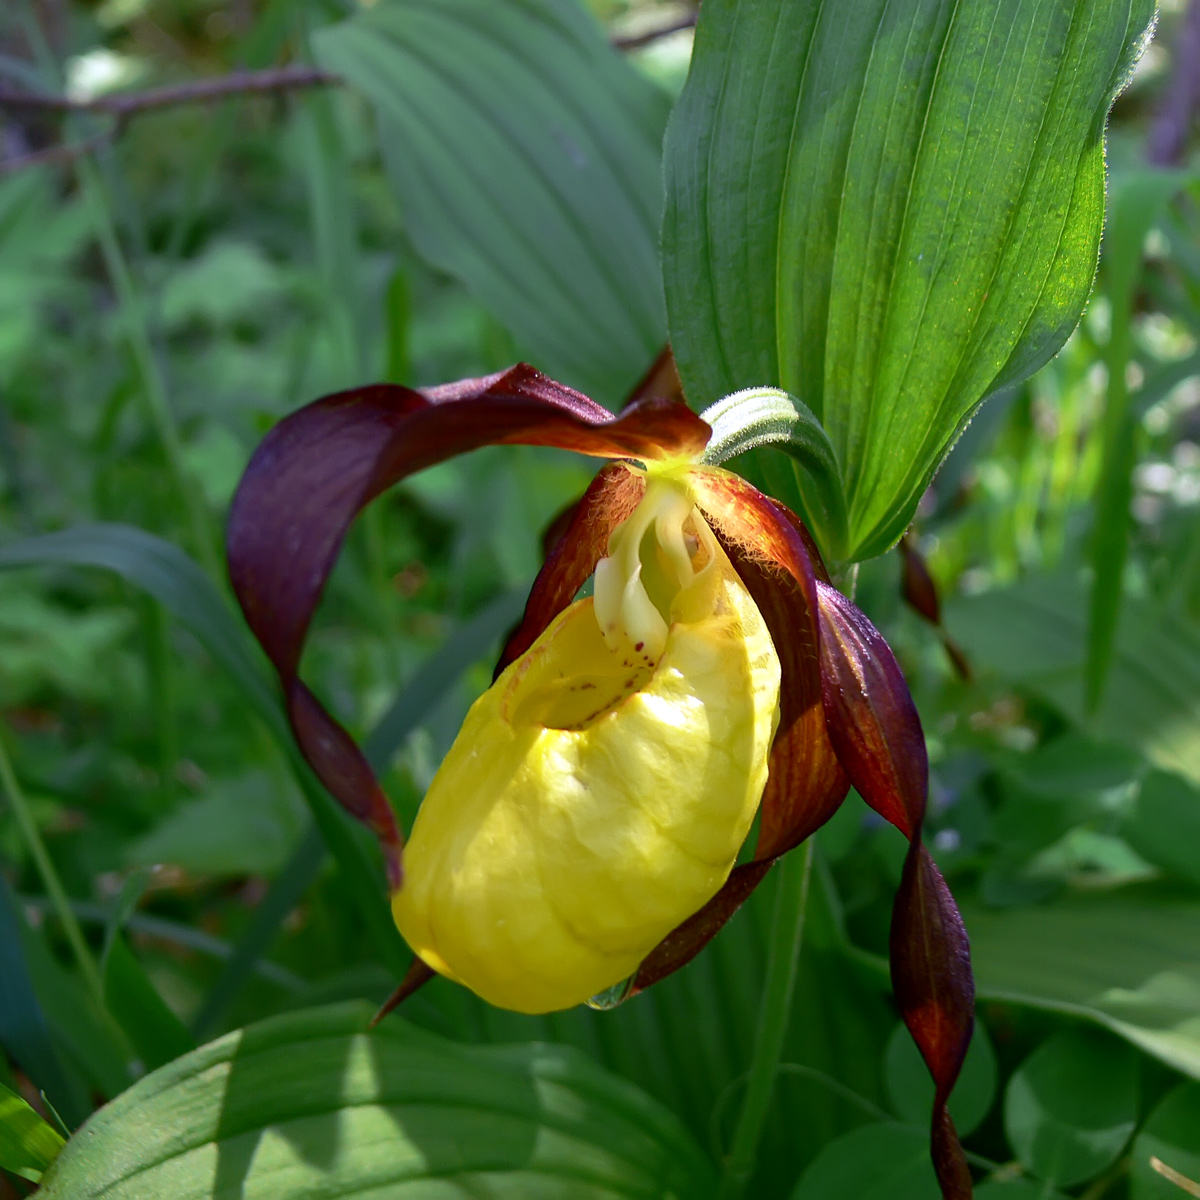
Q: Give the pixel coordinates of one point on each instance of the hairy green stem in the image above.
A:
(53, 885)
(783, 957)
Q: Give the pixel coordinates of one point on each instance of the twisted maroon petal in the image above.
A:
(316, 470)
(873, 722)
(770, 552)
(876, 732)
(764, 543)
(931, 976)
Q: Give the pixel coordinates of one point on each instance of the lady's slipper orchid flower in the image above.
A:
(582, 832)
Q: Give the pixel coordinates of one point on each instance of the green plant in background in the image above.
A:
(872, 222)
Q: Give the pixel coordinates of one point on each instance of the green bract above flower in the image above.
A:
(582, 832)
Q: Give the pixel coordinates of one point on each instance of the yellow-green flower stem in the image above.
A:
(783, 958)
(54, 887)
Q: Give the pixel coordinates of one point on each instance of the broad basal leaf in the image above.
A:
(313, 1105)
(526, 156)
(890, 210)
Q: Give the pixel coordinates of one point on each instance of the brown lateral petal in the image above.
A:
(661, 382)
(765, 544)
(680, 946)
(917, 584)
(876, 732)
(610, 498)
(920, 592)
(319, 467)
(871, 718)
(415, 978)
(931, 976)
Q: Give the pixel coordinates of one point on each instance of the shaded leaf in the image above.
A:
(526, 156)
(1072, 1105)
(154, 1031)
(876, 1162)
(312, 1102)
(1164, 824)
(892, 212)
(24, 1030)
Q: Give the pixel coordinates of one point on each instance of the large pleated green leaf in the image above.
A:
(314, 1105)
(890, 209)
(526, 156)
(1129, 960)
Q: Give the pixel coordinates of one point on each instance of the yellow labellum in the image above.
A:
(598, 793)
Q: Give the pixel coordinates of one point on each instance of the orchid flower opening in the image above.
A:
(582, 833)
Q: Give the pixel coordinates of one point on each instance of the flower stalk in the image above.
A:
(783, 961)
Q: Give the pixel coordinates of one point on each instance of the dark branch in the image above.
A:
(201, 91)
(65, 152)
(638, 40)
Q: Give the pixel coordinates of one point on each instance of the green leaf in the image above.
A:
(242, 826)
(1164, 824)
(892, 210)
(1034, 634)
(876, 1162)
(526, 156)
(1127, 959)
(24, 1029)
(1171, 1135)
(910, 1089)
(1072, 1105)
(312, 1103)
(153, 1030)
(27, 1144)
(1015, 1189)
(760, 417)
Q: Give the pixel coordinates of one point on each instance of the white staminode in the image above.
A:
(629, 619)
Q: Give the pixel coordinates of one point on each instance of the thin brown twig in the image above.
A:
(203, 91)
(637, 40)
(200, 91)
(64, 152)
